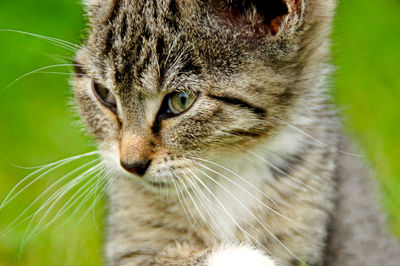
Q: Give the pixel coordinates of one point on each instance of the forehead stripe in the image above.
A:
(241, 103)
(114, 11)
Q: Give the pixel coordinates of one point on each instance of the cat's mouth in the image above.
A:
(159, 184)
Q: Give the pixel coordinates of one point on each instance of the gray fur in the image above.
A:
(260, 142)
(359, 231)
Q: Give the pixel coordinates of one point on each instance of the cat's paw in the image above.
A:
(238, 256)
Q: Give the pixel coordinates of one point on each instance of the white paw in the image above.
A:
(239, 256)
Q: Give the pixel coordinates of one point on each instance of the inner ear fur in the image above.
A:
(269, 17)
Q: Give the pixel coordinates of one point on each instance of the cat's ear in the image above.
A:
(269, 17)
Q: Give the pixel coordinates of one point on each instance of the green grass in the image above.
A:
(35, 120)
(367, 87)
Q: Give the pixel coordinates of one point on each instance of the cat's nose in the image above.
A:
(137, 167)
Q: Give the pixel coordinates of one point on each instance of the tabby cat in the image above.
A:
(215, 115)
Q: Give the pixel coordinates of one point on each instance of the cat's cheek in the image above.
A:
(104, 127)
(110, 156)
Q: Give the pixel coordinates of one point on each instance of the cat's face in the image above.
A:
(164, 82)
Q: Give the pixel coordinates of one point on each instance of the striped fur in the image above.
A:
(251, 168)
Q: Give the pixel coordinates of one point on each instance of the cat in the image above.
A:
(216, 117)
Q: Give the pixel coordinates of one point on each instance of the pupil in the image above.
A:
(183, 99)
(103, 93)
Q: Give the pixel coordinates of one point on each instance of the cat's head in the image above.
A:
(163, 82)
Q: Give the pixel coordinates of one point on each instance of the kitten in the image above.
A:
(215, 116)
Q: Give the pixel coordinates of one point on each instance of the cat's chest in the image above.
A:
(230, 201)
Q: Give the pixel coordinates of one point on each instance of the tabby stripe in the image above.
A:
(285, 97)
(241, 103)
(190, 66)
(108, 41)
(160, 49)
(124, 258)
(78, 69)
(289, 164)
(124, 27)
(143, 65)
(109, 37)
(246, 133)
(116, 5)
(173, 7)
(125, 71)
(173, 17)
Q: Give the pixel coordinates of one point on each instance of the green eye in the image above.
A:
(181, 101)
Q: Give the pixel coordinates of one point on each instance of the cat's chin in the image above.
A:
(163, 188)
(164, 185)
(159, 185)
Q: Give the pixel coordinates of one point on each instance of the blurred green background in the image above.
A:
(36, 121)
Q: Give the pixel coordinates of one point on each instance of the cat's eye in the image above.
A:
(179, 102)
(105, 96)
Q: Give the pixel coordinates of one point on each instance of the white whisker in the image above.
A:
(68, 204)
(251, 214)
(331, 148)
(52, 39)
(104, 181)
(10, 226)
(54, 199)
(61, 73)
(56, 165)
(210, 205)
(66, 188)
(179, 193)
(244, 232)
(194, 202)
(294, 179)
(89, 192)
(223, 208)
(36, 71)
(243, 189)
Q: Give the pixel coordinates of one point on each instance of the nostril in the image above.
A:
(137, 167)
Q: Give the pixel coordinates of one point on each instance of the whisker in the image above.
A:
(244, 232)
(60, 58)
(195, 205)
(179, 181)
(106, 181)
(37, 71)
(91, 190)
(287, 157)
(243, 189)
(64, 208)
(173, 45)
(66, 188)
(179, 192)
(224, 224)
(57, 197)
(102, 181)
(213, 212)
(182, 53)
(10, 226)
(61, 73)
(241, 178)
(57, 164)
(61, 43)
(251, 213)
(331, 148)
(296, 180)
(108, 177)
(223, 208)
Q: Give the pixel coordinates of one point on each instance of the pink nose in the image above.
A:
(137, 168)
